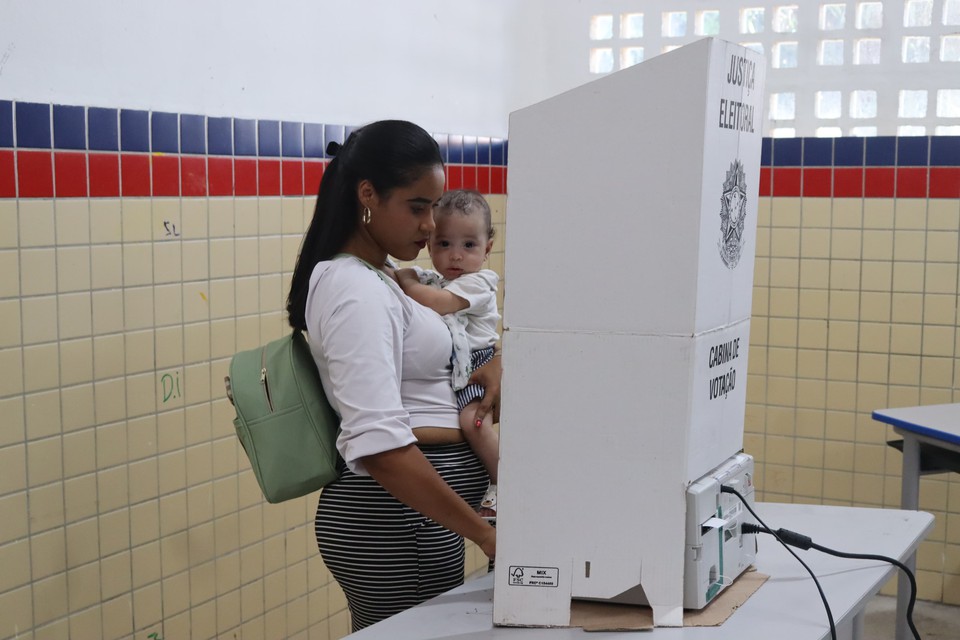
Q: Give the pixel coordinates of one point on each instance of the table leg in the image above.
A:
(909, 499)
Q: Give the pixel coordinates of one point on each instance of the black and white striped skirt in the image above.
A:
(386, 556)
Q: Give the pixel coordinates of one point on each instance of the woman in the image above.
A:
(389, 529)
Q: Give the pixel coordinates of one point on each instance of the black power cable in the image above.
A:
(787, 537)
(766, 529)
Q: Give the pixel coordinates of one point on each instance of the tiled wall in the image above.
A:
(855, 309)
(139, 251)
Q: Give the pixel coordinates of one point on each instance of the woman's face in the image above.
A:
(402, 220)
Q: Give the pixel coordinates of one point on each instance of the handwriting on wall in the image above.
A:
(170, 389)
(171, 229)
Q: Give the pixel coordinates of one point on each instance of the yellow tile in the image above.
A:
(247, 295)
(874, 336)
(249, 250)
(867, 489)
(138, 266)
(195, 217)
(783, 302)
(197, 383)
(904, 396)
(167, 259)
(782, 362)
(842, 335)
(15, 559)
(76, 361)
(75, 312)
(139, 351)
(196, 256)
(221, 220)
(872, 367)
(938, 341)
(781, 420)
(10, 267)
(909, 245)
(13, 517)
(222, 300)
(50, 598)
(943, 214)
(111, 489)
(844, 305)
(169, 346)
(813, 303)
(838, 485)
(290, 249)
(73, 269)
(46, 506)
(847, 213)
(251, 531)
(845, 274)
(115, 534)
(785, 242)
(908, 277)
(868, 458)
(937, 372)
(941, 278)
(760, 304)
(808, 482)
(41, 364)
(941, 246)
(784, 272)
(929, 585)
(839, 456)
(875, 307)
(173, 512)
(196, 301)
(42, 414)
(816, 212)
(878, 213)
(291, 215)
(107, 311)
(9, 232)
(811, 394)
(269, 255)
(108, 355)
(840, 396)
(905, 339)
(144, 482)
(910, 213)
(273, 293)
(808, 452)
(907, 308)
(783, 332)
(138, 308)
(167, 219)
(270, 216)
(36, 223)
(105, 220)
(115, 574)
(147, 606)
(168, 304)
(877, 244)
(905, 369)
(196, 342)
(876, 276)
(170, 430)
(247, 217)
(173, 472)
(72, 221)
(940, 309)
(44, 462)
(845, 244)
(38, 271)
(203, 620)
(118, 617)
(248, 332)
(137, 220)
(111, 445)
(145, 562)
(145, 518)
(842, 365)
(48, 554)
(815, 243)
(811, 363)
(17, 607)
(810, 422)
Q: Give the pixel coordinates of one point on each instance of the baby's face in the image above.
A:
(459, 244)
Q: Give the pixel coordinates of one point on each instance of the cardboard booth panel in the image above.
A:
(643, 189)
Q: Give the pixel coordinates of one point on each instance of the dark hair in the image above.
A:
(388, 153)
(465, 202)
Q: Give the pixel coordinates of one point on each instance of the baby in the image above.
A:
(465, 295)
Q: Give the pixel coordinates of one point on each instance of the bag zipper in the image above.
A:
(263, 378)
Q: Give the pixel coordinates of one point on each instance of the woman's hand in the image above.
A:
(489, 544)
(488, 376)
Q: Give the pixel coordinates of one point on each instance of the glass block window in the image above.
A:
(601, 27)
(755, 46)
(948, 103)
(631, 25)
(784, 132)
(670, 47)
(951, 12)
(707, 23)
(630, 56)
(828, 104)
(785, 19)
(601, 60)
(783, 106)
(948, 130)
(863, 132)
(830, 52)
(916, 49)
(950, 48)
(673, 24)
(833, 16)
(866, 51)
(869, 15)
(913, 103)
(863, 104)
(911, 130)
(917, 13)
(784, 55)
(751, 20)
(829, 132)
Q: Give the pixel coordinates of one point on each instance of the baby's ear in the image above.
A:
(486, 253)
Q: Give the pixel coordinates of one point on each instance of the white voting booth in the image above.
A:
(631, 223)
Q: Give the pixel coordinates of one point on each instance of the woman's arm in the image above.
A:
(410, 478)
(488, 376)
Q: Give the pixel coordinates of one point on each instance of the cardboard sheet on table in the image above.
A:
(603, 616)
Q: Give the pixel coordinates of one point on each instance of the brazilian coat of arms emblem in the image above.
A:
(733, 213)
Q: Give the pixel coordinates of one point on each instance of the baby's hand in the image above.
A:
(407, 275)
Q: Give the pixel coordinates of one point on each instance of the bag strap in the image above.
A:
(380, 273)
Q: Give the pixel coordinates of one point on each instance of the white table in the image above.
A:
(931, 435)
(787, 606)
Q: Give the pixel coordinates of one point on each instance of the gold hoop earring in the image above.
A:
(366, 215)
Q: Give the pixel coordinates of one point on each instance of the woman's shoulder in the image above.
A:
(350, 278)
